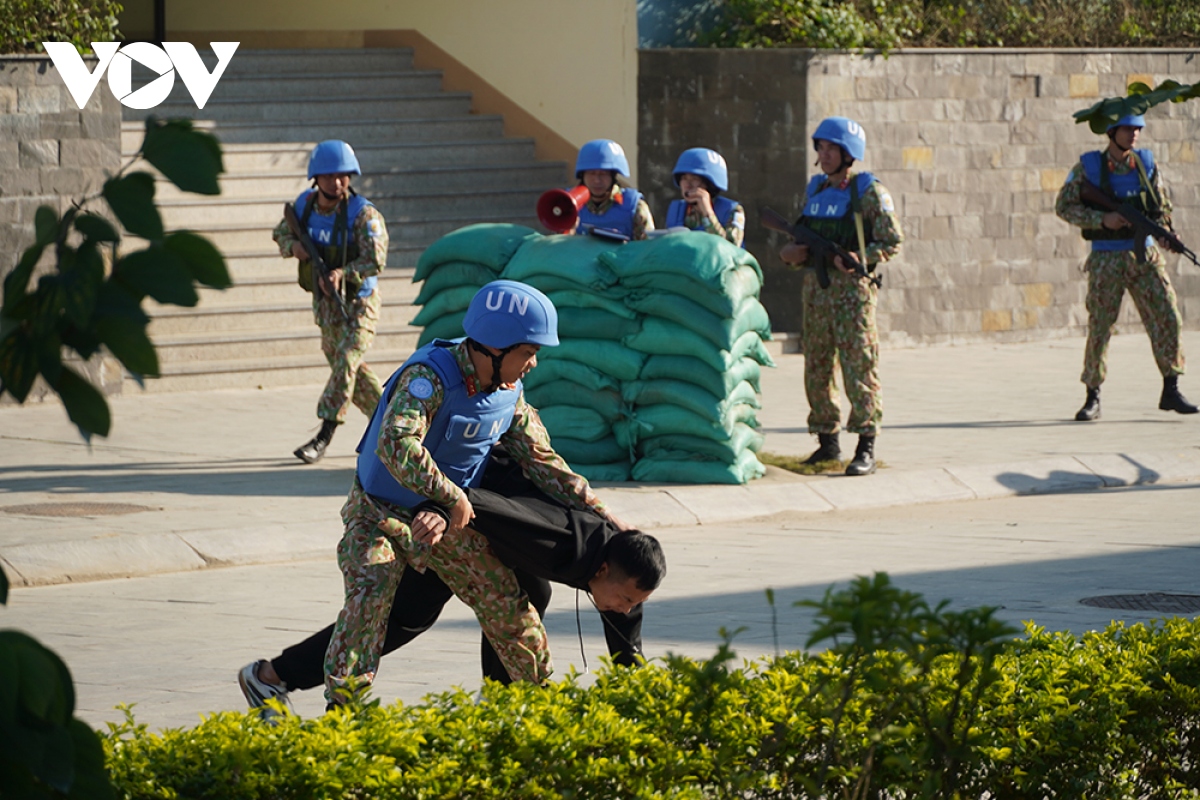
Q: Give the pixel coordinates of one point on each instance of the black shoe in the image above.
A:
(1091, 407)
(312, 451)
(1172, 399)
(864, 456)
(828, 450)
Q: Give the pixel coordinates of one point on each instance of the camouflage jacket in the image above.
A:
(879, 219)
(370, 232)
(1071, 209)
(643, 220)
(735, 233)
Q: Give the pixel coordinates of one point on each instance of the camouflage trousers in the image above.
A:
(345, 346)
(839, 327)
(373, 554)
(1110, 275)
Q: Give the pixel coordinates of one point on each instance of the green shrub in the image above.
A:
(908, 701)
(25, 24)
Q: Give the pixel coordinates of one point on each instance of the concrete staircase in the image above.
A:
(429, 165)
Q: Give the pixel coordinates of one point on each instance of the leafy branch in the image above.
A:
(1140, 99)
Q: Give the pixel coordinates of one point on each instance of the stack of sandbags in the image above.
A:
(455, 267)
(577, 385)
(691, 416)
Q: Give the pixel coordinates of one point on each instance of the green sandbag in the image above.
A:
(445, 303)
(447, 327)
(736, 286)
(605, 402)
(702, 258)
(617, 472)
(592, 323)
(651, 470)
(577, 298)
(689, 396)
(663, 419)
(573, 422)
(601, 451)
(611, 358)
(677, 447)
(693, 370)
(549, 370)
(489, 243)
(453, 274)
(721, 331)
(570, 258)
(662, 337)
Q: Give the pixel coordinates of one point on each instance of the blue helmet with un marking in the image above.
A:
(1132, 120)
(505, 313)
(601, 154)
(845, 132)
(705, 163)
(331, 157)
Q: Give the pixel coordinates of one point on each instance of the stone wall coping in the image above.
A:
(899, 51)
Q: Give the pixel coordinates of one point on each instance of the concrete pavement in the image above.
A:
(194, 480)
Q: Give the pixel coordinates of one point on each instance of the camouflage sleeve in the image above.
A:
(402, 433)
(736, 231)
(529, 443)
(370, 231)
(643, 220)
(879, 212)
(1070, 208)
(283, 237)
(1160, 189)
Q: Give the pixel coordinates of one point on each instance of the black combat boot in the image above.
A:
(311, 452)
(1091, 406)
(829, 449)
(864, 456)
(1172, 399)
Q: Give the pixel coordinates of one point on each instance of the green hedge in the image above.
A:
(909, 701)
(887, 24)
(25, 24)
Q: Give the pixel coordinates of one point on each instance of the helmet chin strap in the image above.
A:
(497, 360)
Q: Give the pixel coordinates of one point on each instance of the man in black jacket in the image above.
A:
(542, 541)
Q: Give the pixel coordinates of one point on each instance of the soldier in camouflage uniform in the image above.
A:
(352, 238)
(610, 206)
(1130, 175)
(445, 409)
(854, 210)
(702, 176)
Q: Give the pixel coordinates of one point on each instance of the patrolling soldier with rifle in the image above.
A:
(1116, 196)
(853, 211)
(341, 242)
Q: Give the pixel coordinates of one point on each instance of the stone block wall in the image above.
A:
(973, 145)
(51, 153)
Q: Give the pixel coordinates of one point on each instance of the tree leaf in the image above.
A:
(190, 159)
(3, 587)
(203, 259)
(159, 273)
(132, 200)
(16, 283)
(86, 407)
(97, 228)
(91, 776)
(127, 340)
(45, 225)
(40, 702)
(18, 364)
(81, 285)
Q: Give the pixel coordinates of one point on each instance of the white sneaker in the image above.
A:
(258, 691)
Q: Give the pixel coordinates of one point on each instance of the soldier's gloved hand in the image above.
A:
(428, 527)
(461, 514)
(298, 251)
(795, 254)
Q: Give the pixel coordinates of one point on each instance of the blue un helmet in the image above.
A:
(845, 132)
(504, 314)
(331, 157)
(1132, 120)
(601, 154)
(705, 163)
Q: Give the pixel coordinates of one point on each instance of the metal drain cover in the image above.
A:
(75, 509)
(1156, 601)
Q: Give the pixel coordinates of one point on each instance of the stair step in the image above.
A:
(395, 286)
(358, 132)
(239, 86)
(174, 350)
(330, 110)
(260, 319)
(306, 370)
(297, 62)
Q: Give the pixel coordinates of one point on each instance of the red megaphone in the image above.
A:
(558, 209)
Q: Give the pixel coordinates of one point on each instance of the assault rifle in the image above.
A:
(821, 251)
(320, 270)
(1142, 225)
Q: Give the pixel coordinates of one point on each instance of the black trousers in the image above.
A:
(420, 598)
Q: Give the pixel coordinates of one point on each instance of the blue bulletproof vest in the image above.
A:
(618, 217)
(461, 436)
(320, 229)
(1123, 187)
(722, 206)
(833, 202)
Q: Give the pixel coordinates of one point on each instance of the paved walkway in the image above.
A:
(193, 480)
